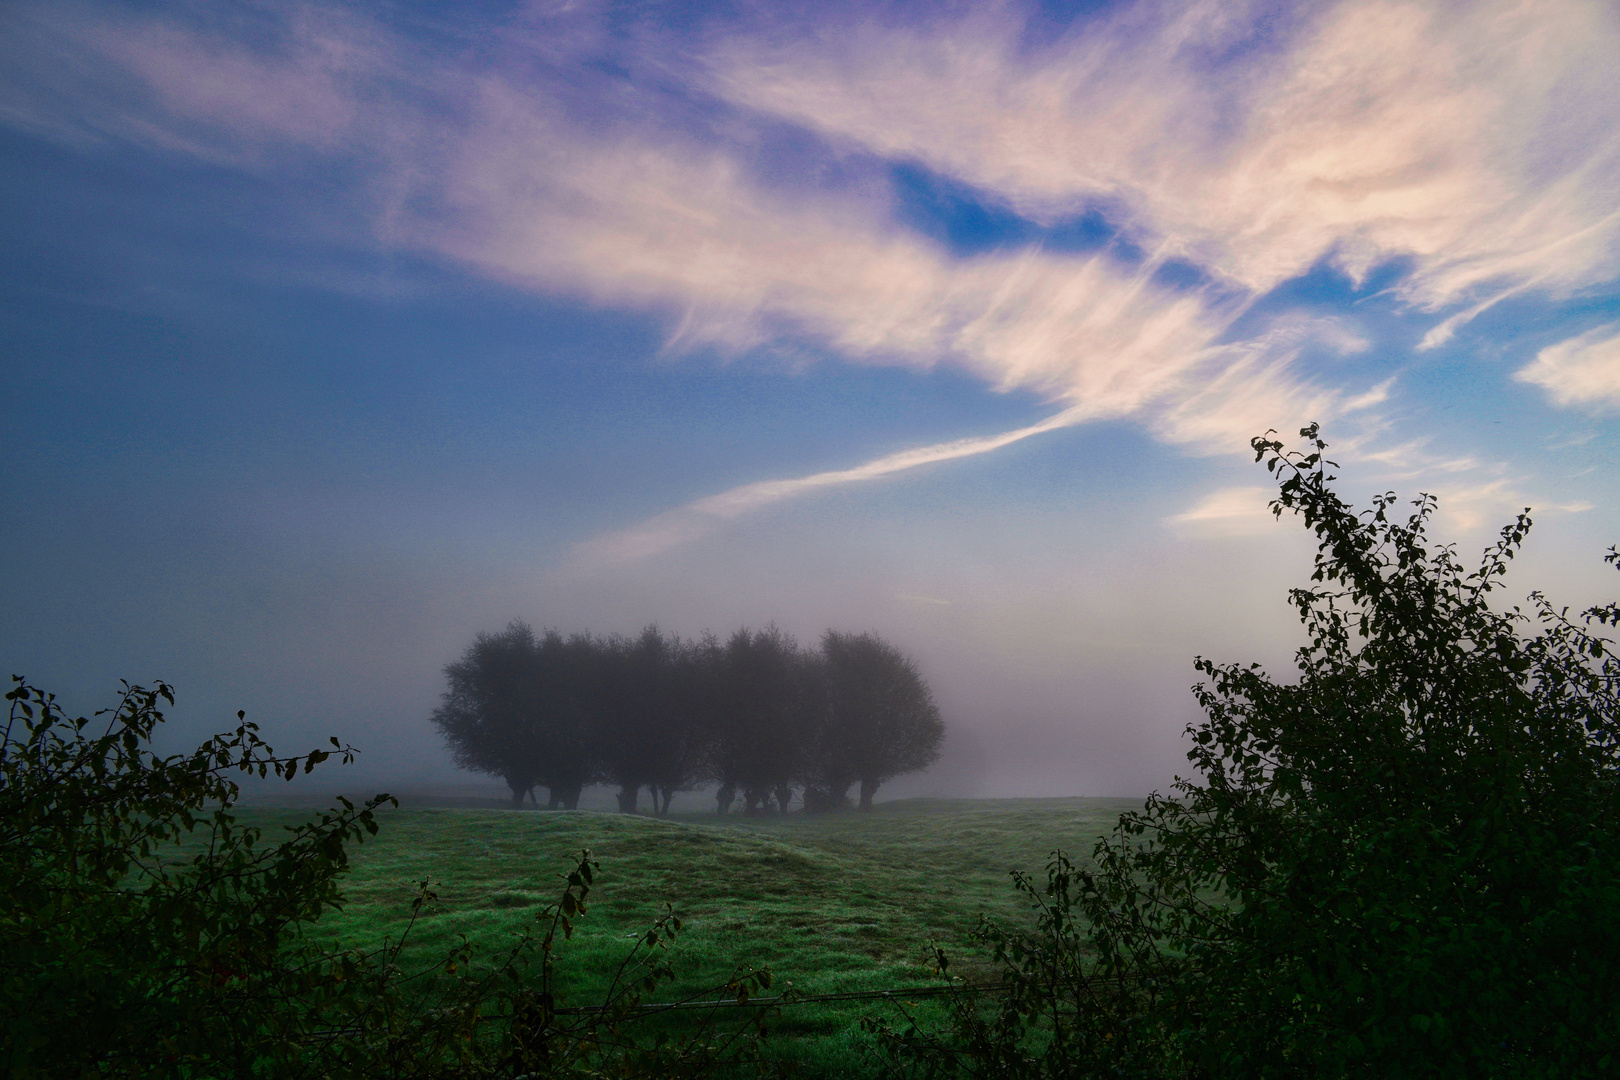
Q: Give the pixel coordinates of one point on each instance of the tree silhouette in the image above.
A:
(491, 707)
(564, 744)
(645, 723)
(881, 720)
(515, 707)
(758, 733)
(756, 715)
(679, 749)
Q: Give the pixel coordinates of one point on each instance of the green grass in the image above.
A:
(833, 903)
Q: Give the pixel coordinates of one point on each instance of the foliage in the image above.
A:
(146, 932)
(122, 959)
(1052, 1014)
(1404, 863)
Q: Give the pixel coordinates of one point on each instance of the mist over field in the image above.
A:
(337, 335)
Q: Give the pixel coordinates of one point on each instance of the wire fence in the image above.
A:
(786, 999)
(900, 994)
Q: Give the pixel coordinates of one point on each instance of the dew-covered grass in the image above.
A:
(831, 903)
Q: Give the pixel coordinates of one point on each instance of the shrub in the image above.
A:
(145, 932)
(1405, 862)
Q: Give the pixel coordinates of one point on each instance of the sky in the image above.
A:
(335, 334)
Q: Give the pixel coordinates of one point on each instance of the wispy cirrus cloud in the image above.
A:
(660, 223)
(1477, 140)
(503, 175)
(226, 88)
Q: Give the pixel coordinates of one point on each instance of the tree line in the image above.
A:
(756, 715)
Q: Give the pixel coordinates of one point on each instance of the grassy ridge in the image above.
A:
(833, 903)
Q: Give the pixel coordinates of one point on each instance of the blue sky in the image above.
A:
(336, 333)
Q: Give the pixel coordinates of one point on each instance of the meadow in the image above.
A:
(833, 903)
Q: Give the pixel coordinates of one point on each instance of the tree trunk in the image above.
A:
(519, 790)
(784, 795)
(868, 789)
(627, 798)
(724, 796)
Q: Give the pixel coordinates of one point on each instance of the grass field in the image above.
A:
(834, 903)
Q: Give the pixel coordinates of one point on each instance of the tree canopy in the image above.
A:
(881, 718)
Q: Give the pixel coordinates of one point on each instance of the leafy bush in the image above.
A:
(1404, 863)
(145, 932)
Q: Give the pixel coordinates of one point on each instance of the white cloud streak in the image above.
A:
(698, 518)
(1233, 511)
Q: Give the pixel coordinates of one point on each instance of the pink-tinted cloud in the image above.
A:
(1478, 140)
